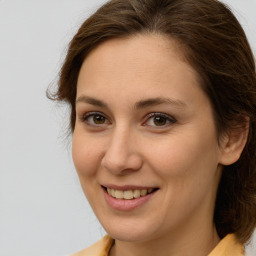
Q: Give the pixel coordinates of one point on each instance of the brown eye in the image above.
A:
(98, 119)
(95, 119)
(160, 120)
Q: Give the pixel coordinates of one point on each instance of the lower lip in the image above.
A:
(126, 205)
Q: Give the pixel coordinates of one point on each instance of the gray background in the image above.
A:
(42, 208)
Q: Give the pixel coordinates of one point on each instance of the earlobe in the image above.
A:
(233, 143)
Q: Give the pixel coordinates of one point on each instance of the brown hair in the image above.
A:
(215, 44)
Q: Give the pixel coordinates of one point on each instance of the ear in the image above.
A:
(233, 142)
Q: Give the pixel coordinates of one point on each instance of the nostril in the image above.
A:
(122, 164)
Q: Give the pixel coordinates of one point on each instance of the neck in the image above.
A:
(201, 243)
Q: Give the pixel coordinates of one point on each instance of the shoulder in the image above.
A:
(101, 248)
(229, 245)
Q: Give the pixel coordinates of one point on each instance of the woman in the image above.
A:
(163, 107)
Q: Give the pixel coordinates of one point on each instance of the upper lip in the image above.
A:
(127, 187)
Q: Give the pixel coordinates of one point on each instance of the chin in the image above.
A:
(130, 231)
(129, 235)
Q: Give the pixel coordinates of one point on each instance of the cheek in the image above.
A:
(86, 155)
(187, 166)
(86, 158)
(189, 156)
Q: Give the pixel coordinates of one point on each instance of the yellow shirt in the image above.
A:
(228, 246)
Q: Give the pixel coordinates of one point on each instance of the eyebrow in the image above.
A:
(138, 105)
(92, 101)
(158, 101)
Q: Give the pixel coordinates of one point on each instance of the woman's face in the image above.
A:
(144, 144)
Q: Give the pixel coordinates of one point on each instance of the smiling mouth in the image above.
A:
(129, 194)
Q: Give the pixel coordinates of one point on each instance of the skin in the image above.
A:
(181, 156)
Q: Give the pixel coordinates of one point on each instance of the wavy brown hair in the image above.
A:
(214, 43)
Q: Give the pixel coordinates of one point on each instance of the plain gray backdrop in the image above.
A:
(42, 208)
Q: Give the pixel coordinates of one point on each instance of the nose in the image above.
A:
(122, 156)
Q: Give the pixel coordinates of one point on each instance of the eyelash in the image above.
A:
(85, 118)
(167, 118)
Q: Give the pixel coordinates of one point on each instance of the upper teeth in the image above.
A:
(128, 194)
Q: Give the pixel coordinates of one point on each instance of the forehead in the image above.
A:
(142, 64)
(133, 48)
